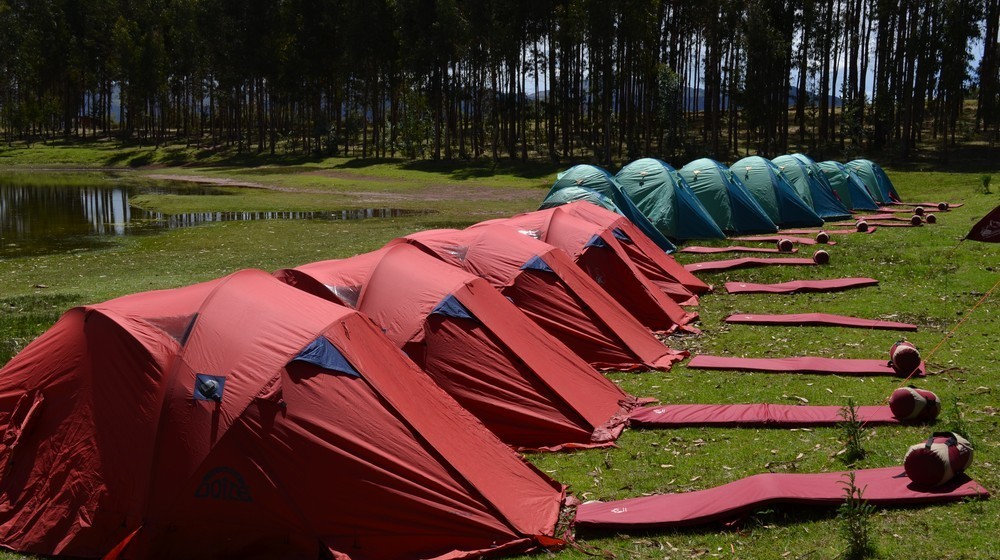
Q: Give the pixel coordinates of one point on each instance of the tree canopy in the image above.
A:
(552, 79)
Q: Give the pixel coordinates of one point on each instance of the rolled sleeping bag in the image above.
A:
(904, 358)
(912, 404)
(937, 460)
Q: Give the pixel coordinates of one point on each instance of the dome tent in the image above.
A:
(568, 195)
(666, 199)
(774, 193)
(604, 252)
(876, 179)
(851, 189)
(545, 284)
(802, 173)
(241, 417)
(726, 198)
(523, 384)
(600, 181)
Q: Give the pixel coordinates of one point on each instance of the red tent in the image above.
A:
(600, 251)
(245, 418)
(525, 385)
(545, 284)
(656, 265)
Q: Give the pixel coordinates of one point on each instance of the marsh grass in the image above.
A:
(926, 277)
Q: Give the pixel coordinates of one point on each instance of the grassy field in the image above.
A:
(926, 277)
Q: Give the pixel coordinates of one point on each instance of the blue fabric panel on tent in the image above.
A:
(321, 352)
(748, 215)
(794, 211)
(694, 221)
(621, 235)
(451, 307)
(536, 263)
(861, 198)
(596, 241)
(826, 203)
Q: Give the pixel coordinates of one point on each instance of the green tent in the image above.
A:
(802, 173)
(876, 179)
(775, 194)
(851, 189)
(725, 198)
(600, 181)
(666, 199)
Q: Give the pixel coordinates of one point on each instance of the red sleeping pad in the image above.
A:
(799, 286)
(803, 364)
(752, 415)
(887, 486)
(897, 210)
(732, 249)
(871, 229)
(926, 204)
(885, 223)
(746, 262)
(776, 238)
(818, 319)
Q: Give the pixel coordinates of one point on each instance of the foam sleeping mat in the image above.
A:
(801, 364)
(752, 416)
(843, 231)
(776, 238)
(800, 286)
(817, 320)
(732, 249)
(883, 487)
(747, 262)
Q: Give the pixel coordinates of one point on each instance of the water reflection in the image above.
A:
(47, 219)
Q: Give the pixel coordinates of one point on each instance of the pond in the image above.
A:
(57, 218)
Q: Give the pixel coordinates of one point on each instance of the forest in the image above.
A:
(548, 79)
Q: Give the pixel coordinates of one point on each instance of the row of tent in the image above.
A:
(366, 407)
(707, 200)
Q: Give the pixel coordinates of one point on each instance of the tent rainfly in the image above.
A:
(545, 284)
(666, 199)
(600, 181)
(662, 269)
(775, 194)
(601, 252)
(242, 417)
(726, 198)
(801, 172)
(875, 178)
(851, 189)
(526, 386)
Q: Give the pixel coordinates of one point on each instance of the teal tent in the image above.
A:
(666, 199)
(802, 173)
(775, 194)
(725, 198)
(566, 195)
(848, 185)
(600, 181)
(876, 180)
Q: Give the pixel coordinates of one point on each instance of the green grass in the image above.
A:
(925, 275)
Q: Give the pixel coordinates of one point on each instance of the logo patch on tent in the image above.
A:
(209, 387)
(223, 483)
